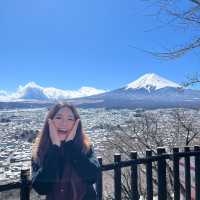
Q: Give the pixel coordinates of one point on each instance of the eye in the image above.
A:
(57, 117)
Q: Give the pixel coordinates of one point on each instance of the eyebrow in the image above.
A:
(61, 115)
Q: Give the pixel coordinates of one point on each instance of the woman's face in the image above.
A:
(64, 121)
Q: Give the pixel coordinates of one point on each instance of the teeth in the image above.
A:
(65, 130)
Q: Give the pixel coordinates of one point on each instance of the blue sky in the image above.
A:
(69, 44)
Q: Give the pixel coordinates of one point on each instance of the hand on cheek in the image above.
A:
(53, 133)
(72, 133)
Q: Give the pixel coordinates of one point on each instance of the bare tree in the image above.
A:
(149, 132)
(192, 80)
(185, 14)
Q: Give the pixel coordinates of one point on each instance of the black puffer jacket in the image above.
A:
(86, 166)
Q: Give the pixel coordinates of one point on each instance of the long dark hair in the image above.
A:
(43, 140)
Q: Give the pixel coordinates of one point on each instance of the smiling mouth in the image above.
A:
(62, 131)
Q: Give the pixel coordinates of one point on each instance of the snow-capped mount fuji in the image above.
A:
(148, 91)
(151, 82)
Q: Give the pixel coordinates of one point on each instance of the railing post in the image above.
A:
(197, 173)
(149, 178)
(162, 186)
(187, 175)
(25, 186)
(176, 173)
(117, 177)
(134, 178)
(99, 185)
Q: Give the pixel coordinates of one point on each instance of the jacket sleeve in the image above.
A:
(43, 177)
(86, 165)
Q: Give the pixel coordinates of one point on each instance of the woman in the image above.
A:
(64, 166)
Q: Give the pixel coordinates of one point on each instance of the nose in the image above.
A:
(64, 122)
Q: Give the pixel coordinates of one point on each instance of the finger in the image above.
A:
(73, 131)
(51, 123)
(52, 127)
(53, 132)
(75, 126)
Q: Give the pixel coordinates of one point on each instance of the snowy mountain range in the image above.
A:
(32, 91)
(148, 91)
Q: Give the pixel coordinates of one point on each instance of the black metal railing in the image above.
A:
(160, 158)
(134, 163)
(24, 185)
